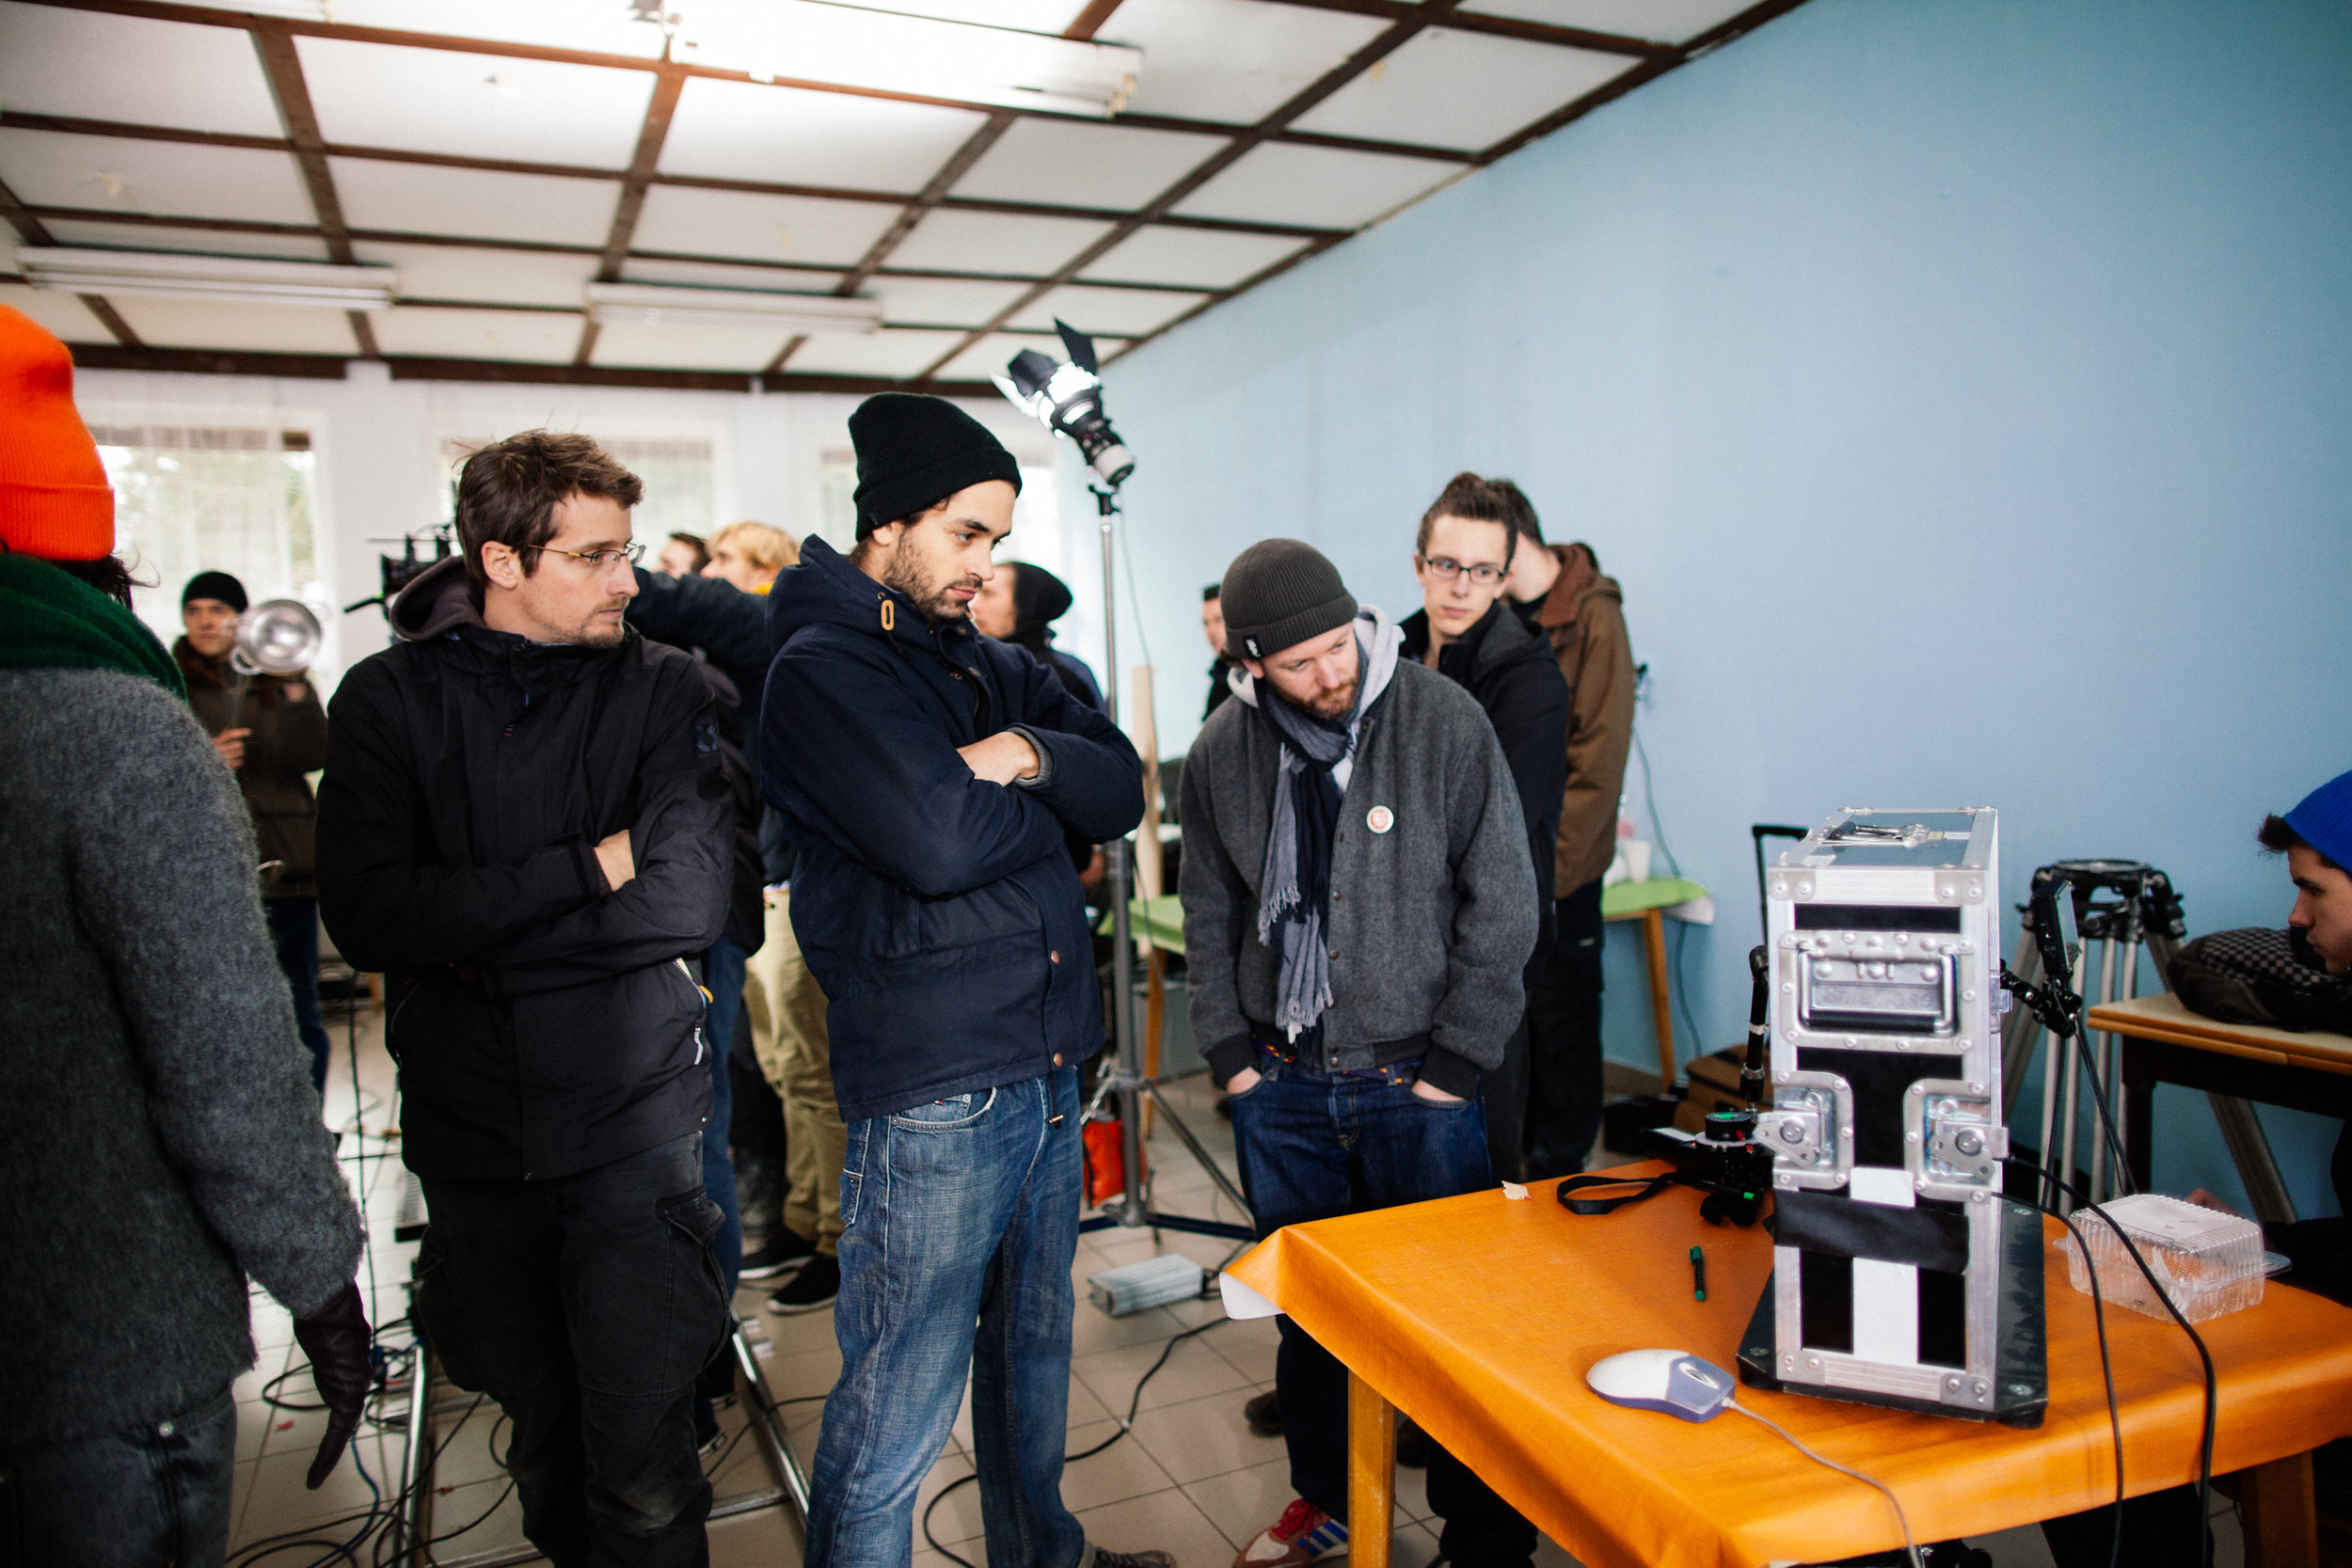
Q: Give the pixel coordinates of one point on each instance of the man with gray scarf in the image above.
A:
(1359, 902)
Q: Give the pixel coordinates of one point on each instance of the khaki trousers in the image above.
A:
(787, 1014)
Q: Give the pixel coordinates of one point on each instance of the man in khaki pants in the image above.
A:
(788, 1019)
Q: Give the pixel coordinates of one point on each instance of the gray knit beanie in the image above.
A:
(1277, 595)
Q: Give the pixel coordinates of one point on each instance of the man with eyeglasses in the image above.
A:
(1467, 633)
(525, 827)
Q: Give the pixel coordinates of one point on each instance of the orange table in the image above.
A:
(1478, 1316)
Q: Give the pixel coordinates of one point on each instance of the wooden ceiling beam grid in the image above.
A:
(660, 109)
(283, 67)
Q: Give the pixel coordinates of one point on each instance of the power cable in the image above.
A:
(1909, 1546)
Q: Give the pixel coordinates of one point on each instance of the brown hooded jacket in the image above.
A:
(1583, 618)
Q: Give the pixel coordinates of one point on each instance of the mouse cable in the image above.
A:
(1909, 1546)
(2131, 1250)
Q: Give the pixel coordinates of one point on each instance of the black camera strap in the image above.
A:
(1609, 1205)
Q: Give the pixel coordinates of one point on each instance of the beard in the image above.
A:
(1328, 706)
(596, 632)
(932, 601)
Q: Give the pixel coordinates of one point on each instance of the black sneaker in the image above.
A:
(780, 1252)
(1264, 1414)
(815, 1286)
(1105, 1558)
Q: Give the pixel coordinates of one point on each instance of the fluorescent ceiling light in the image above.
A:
(813, 40)
(172, 276)
(672, 305)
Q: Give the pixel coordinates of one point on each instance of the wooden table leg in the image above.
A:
(1371, 1474)
(1661, 1007)
(2280, 1514)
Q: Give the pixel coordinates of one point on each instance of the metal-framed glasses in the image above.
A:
(602, 561)
(1485, 574)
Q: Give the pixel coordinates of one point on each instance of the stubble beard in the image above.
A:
(932, 601)
(1331, 705)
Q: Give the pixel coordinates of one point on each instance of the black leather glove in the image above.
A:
(337, 1339)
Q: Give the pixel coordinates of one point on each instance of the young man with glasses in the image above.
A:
(1467, 633)
(525, 827)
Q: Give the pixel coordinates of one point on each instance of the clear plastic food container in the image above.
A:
(2209, 1262)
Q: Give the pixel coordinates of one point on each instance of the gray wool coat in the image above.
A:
(159, 1137)
(1431, 919)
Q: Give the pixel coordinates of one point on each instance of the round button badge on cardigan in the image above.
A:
(1379, 819)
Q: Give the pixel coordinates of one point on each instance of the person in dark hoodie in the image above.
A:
(155, 1121)
(525, 826)
(927, 777)
(1466, 632)
(1560, 595)
(1020, 605)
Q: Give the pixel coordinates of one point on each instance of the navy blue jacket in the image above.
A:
(939, 912)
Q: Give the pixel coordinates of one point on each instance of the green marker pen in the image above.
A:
(1698, 1274)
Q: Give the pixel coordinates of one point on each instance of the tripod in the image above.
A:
(1126, 1083)
(2125, 906)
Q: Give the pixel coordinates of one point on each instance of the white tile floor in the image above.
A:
(1191, 1479)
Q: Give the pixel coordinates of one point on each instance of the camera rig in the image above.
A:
(396, 572)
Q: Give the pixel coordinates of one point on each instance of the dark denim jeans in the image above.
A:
(1563, 1063)
(142, 1498)
(1312, 1147)
(293, 930)
(960, 1223)
(723, 975)
(585, 1305)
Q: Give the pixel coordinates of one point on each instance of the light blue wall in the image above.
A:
(1962, 392)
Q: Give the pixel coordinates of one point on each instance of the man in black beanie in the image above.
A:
(1359, 901)
(926, 777)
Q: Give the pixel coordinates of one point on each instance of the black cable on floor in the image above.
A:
(2106, 1371)
(1125, 1426)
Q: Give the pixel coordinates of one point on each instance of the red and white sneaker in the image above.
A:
(1302, 1534)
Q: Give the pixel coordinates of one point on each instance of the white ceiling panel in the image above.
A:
(760, 228)
(50, 168)
(1285, 183)
(1103, 312)
(950, 241)
(990, 356)
(420, 199)
(1662, 21)
(201, 242)
(1079, 164)
(539, 335)
(687, 348)
(719, 275)
(889, 351)
(941, 301)
(1235, 60)
(1208, 258)
(61, 313)
(88, 65)
(1027, 16)
(1448, 88)
(505, 276)
(474, 105)
(600, 28)
(791, 136)
(257, 328)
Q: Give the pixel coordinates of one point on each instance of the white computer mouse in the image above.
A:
(1672, 1380)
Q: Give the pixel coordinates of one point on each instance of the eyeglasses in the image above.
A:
(1485, 574)
(602, 561)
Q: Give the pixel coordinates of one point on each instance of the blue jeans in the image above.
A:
(722, 974)
(960, 1223)
(142, 1498)
(293, 930)
(1311, 1147)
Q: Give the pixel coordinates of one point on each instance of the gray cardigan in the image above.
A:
(159, 1137)
(1431, 921)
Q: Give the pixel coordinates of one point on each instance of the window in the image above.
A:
(241, 499)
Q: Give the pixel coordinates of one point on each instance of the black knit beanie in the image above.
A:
(1277, 595)
(1039, 599)
(214, 585)
(913, 452)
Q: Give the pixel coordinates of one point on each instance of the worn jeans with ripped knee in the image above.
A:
(960, 1223)
(585, 1305)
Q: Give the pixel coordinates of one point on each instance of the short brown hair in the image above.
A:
(1477, 500)
(2278, 835)
(770, 550)
(508, 492)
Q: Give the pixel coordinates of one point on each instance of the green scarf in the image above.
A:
(53, 620)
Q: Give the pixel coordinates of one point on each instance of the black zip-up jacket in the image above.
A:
(544, 1024)
(1511, 671)
(939, 912)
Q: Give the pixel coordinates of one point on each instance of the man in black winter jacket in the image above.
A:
(1465, 631)
(927, 776)
(525, 825)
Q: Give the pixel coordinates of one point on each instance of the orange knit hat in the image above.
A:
(55, 500)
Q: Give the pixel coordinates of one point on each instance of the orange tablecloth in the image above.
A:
(1477, 1316)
